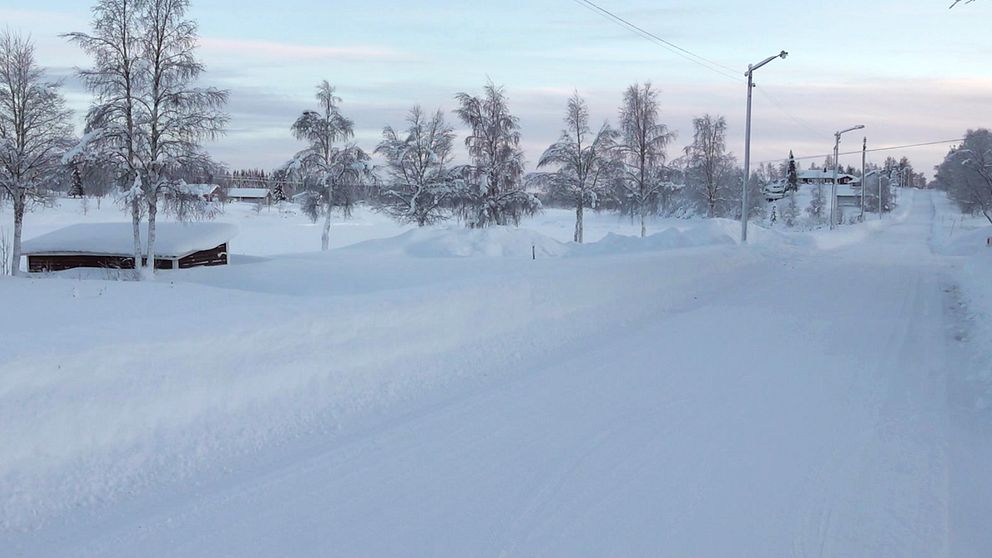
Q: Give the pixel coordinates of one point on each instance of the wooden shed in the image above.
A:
(111, 246)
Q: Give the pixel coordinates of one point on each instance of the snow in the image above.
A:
(172, 240)
(436, 392)
(461, 242)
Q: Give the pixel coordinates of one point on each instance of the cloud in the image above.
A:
(296, 53)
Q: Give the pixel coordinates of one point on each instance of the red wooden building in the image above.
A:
(111, 245)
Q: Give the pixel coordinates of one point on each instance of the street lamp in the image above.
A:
(747, 140)
(833, 187)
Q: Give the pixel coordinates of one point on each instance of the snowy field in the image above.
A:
(440, 393)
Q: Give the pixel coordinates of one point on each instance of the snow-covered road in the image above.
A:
(792, 405)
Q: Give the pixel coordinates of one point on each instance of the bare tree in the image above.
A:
(584, 160)
(709, 166)
(111, 134)
(332, 174)
(420, 186)
(643, 186)
(494, 193)
(35, 131)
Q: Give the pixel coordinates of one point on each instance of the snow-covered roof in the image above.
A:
(821, 174)
(257, 193)
(172, 240)
(199, 189)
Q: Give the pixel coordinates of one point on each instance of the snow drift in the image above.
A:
(460, 243)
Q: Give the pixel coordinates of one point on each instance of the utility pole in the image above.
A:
(747, 141)
(864, 185)
(833, 187)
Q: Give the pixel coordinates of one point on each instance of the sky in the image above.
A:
(911, 72)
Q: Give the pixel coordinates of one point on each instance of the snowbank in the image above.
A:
(668, 239)
(460, 243)
(970, 243)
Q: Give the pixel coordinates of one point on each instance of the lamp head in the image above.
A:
(783, 54)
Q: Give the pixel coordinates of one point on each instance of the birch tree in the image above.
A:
(35, 132)
(111, 133)
(710, 169)
(493, 192)
(331, 173)
(149, 117)
(643, 187)
(420, 187)
(584, 159)
(175, 115)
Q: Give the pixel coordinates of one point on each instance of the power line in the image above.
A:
(781, 107)
(891, 148)
(670, 46)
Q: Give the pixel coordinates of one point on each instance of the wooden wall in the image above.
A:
(38, 263)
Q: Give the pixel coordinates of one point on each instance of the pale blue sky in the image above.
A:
(910, 71)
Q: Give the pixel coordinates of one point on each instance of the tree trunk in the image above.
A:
(15, 252)
(578, 222)
(136, 230)
(148, 270)
(644, 229)
(325, 238)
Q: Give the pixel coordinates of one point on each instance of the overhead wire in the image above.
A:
(874, 150)
(778, 104)
(702, 61)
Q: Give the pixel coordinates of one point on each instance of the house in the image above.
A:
(205, 192)
(249, 195)
(824, 176)
(111, 245)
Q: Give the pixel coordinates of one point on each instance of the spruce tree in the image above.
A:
(76, 188)
(793, 176)
(277, 193)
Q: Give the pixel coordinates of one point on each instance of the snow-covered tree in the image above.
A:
(966, 173)
(35, 132)
(584, 160)
(111, 123)
(175, 114)
(817, 208)
(492, 190)
(420, 187)
(710, 169)
(333, 175)
(792, 176)
(278, 192)
(790, 213)
(876, 178)
(76, 189)
(643, 187)
(150, 115)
